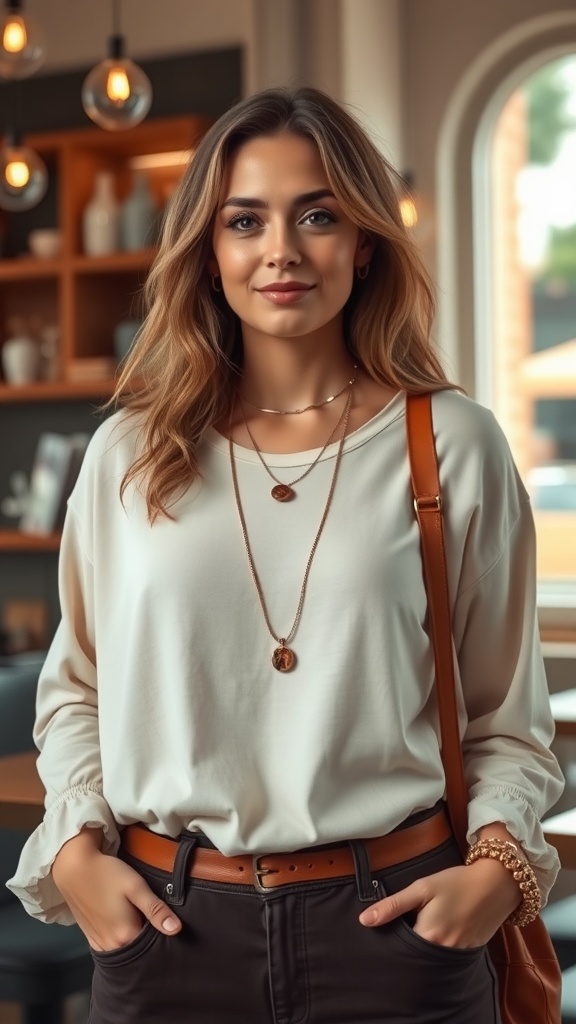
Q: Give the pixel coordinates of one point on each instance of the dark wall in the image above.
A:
(197, 83)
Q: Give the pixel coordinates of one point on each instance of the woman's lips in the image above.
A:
(285, 294)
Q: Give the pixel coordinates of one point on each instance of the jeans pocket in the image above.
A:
(435, 950)
(132, 951)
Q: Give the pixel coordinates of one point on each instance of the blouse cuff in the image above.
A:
(510, 807)
(77, 808)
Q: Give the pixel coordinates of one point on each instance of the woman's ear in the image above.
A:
(212, 267)
(364, 250)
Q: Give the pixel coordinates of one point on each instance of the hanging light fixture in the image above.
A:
(23, 176)
(408, 208)
(21, 42)
(116, 94)
(416, 212)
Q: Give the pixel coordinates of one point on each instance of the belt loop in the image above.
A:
(175, 890)
(367, 887)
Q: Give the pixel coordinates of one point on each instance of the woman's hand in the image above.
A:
(461, 906)
(109, 900)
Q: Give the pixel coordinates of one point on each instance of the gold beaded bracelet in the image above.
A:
(506, 853)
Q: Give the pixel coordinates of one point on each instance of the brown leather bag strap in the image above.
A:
(428, 507)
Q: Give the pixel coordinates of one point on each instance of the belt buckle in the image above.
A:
(260, 873)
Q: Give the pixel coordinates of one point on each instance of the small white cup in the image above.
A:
(45, 243)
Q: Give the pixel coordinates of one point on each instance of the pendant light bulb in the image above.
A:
(116, 94)
(22, 49)
(15, 37)
(408, 212)
(408, 206)
(23, 177)
(416, 212)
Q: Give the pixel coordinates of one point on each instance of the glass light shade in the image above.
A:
(22, 48)
(23, 178)
(117, 94)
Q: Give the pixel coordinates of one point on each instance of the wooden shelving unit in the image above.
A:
(118, 262)
(12, 540)
(85, 297)
(27, 269)
(54, 391)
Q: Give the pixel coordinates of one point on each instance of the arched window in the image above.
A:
(500, 309)
(529, 260)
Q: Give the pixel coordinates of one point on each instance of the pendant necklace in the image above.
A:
(285, 491)
(298, 412)
(283, 657)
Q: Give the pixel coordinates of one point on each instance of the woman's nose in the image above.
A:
(282, 248)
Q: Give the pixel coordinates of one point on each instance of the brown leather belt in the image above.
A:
(269, 871)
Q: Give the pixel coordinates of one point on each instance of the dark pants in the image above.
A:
(295, 956)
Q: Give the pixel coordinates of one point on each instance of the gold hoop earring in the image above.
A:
(216, 282)
(362, 272)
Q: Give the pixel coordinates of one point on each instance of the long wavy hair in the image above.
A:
(182, 372)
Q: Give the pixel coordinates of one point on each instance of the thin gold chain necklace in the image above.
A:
(314, 405)
(283, 657)
(285, 491)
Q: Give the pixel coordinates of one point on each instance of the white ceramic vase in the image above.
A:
(101, 217)
(21, 360)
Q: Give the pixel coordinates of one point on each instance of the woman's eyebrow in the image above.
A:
(259, 204)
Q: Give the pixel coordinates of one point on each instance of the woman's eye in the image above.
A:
(242, 222)
(319, 218)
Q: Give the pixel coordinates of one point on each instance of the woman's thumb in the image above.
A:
(156, 911)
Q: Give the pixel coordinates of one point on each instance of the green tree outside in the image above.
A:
(547, 94)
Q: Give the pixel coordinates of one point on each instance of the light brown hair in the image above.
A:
(181, 374)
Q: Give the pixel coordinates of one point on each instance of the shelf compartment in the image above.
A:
(19, 300)
(101, 301)
(121, 154)
(118, 261)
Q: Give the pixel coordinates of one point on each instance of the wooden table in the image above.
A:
(21, 792)
(564, 711)
(560, 831)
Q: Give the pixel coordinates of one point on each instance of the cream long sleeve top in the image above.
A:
(158, 701)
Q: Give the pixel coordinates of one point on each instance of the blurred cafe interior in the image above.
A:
(474, 104)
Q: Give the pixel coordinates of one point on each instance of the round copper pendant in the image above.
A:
(282, 492)
(283, 659)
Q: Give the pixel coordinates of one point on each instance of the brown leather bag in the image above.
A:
(524, 959)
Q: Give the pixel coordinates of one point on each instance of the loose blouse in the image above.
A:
(159, 703)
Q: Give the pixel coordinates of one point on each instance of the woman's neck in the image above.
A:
(290, 373)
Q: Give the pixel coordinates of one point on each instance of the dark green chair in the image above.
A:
(39, 964)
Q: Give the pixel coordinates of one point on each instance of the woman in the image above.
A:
(243, 668)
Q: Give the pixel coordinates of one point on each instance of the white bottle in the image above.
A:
(100, 219)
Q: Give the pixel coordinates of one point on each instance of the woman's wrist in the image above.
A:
(511, 856)
(75, 851)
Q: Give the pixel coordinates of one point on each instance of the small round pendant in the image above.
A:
(283, 659)
(283, 492)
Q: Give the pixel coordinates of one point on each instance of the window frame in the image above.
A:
(464, 293)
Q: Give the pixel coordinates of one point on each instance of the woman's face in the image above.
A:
(283, 247)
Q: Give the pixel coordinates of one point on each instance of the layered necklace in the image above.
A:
(314, 405)
(283, 657)
(285, 492)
